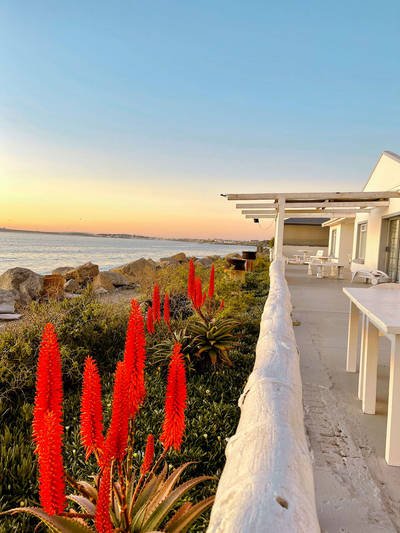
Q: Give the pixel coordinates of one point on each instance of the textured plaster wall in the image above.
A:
(267, 484)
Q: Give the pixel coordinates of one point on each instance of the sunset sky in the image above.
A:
(133, 117)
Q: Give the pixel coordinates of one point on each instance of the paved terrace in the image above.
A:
(356, 491)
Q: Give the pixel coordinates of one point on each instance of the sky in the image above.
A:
(134, 117)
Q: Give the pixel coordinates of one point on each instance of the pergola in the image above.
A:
(279, 206)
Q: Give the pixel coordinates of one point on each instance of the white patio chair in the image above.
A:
(376, 276)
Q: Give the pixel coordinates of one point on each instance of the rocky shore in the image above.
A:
(20, 286)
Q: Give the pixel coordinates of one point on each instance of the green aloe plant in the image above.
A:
(145, 511)
(214, 338)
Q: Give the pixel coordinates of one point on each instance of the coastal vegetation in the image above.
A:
(85, 326)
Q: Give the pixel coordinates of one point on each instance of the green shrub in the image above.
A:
(86, 326)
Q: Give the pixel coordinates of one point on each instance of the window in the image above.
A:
(333, 242)
(361, 240)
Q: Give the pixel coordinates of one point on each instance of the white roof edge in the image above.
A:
(387, 153)
(333, 221)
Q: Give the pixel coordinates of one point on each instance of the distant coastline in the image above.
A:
(133, 236)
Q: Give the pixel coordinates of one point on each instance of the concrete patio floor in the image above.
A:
(356, 491)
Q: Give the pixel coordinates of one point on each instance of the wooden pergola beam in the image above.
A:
(317, 195)
(322, 205)
(304, 215)
(322, 212)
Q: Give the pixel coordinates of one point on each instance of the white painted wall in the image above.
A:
(268, 460)
(385, 176)
(344, 241)
(290, 251)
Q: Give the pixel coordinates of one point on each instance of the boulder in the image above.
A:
(32, 287)
(204, 261)
(117, 279)
(233, 256)
(132, 269)
(101, 281)
(83, 273)
(25, 281)
(171, 260)
(62, 270)
(100, 290)
(152, 263)
(163, 264)
(10, 316)
(7, 300)
(72, 286)
(181, 257)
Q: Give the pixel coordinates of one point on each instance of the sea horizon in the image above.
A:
(44, 252)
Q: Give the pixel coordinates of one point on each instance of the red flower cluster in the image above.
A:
(167, 317)
(49, 395)
(134, 358)
(191, 283)
(148, 455)
(102, 518)
(198, 295)
(117, 434)
(150, 324)
(51, 478)
(156, 304)
(175, 402)
(91, 410)
(47, 419)
(211, 285)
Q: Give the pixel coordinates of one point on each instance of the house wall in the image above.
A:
(385, 176)
(290, 251)
(298, 235)
(344, 241)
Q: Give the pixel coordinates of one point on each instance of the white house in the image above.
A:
(373, 236)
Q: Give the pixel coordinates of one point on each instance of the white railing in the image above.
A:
(267, 484)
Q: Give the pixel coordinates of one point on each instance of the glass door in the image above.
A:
(392, 250)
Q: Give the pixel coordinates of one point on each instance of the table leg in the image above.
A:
(324, 272)
(340, 275)
(309, 270)
(364, 340)
(392, 454)
(319, 273)
(351, 365)
(370, 370)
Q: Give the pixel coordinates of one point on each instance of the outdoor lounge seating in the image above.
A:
(376, 276)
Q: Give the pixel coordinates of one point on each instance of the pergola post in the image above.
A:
(280, 220)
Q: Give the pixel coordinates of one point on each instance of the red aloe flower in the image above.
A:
(117, 434)
(49, 395)
(211, 285)
(204, 298)
(91, 409)
(191, 283)
(134, 358)
(102, 518)
(175, 402)
(150, 325)
(221, 306)
(167, 316)
(198, 296)
(51, 470)
(148, 455)
(156, 303)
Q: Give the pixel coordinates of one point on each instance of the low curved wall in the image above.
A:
(267, 484)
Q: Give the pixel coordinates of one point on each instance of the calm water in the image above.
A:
(43, 253)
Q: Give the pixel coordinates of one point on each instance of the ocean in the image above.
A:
(42, 253)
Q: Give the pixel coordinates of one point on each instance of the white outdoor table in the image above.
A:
(381, 313)
(321, 273)
(318, 259)
(304, 252)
